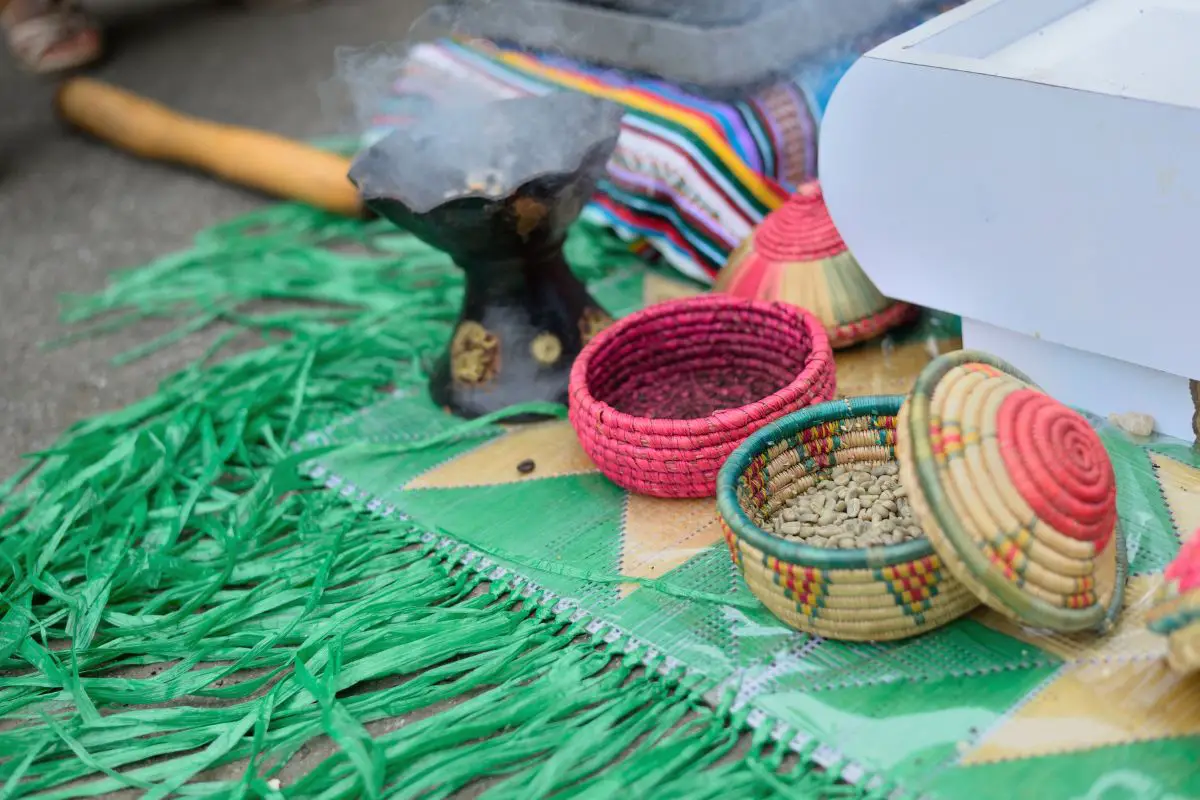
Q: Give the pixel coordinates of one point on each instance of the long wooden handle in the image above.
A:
(255, 159)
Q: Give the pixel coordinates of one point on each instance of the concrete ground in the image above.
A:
(73, 210)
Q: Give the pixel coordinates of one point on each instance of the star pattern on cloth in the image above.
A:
(550, 446)
(1090, 705)
(872, 368)
(658, 288)
(1180, 486)
(657, 535)
(1112, 690)
(1129, 640)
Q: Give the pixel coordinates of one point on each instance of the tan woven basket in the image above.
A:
(797, 256)
(869, 594)
(1014, 491)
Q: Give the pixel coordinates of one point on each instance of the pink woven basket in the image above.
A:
(660, 399)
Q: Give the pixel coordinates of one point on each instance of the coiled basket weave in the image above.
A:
(1015, 491)
(866, 594)
(796, 255)
(1176, 612)
(661, 398)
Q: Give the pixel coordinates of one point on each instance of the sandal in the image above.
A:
(47, 36)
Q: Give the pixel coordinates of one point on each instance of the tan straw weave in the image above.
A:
(796, 256)
(866, 594)
(1015, 491)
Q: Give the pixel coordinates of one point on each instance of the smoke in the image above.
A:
(721, 48)
(486, 149)
(377, 89)
(363, 84)
(435, 123)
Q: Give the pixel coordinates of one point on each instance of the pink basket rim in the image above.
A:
(819, 359)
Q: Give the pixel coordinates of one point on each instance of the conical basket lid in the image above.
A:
(797, 256)
(1015, 492)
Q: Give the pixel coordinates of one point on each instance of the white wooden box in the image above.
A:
(1034, 166)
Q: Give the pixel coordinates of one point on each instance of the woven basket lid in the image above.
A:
(1015, 492)
(1184, 572)
(797, 256)
(1176, 610)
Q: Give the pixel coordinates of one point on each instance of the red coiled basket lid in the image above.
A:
(797, 256)
(1015, 491)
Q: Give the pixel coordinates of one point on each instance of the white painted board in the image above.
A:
(1086, 380)
(1034, 166)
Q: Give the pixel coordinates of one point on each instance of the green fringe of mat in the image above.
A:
(173, 626)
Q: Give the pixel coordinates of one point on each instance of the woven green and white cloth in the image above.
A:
(288, 575)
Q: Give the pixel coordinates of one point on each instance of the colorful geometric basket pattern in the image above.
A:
(875, 593)
(1016, 491)
(984, 707)
(797, 256)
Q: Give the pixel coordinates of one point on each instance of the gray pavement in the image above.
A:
(73, 210)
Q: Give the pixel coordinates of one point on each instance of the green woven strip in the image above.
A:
(171, 621)
(180, 613)
(907, 711)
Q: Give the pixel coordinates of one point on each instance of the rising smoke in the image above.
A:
(485, 149)
(717, 47)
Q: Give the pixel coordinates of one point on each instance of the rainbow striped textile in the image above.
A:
(691, 177)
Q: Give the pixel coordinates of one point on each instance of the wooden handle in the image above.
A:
(251, 158)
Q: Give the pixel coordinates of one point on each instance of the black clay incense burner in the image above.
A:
(496, 186)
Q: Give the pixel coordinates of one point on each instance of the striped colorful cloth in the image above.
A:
(691, 176)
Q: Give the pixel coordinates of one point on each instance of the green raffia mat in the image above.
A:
(940, 715)
(181, 616)
(174, 622)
